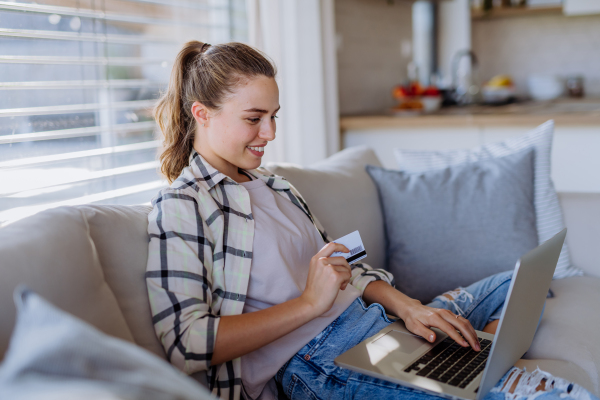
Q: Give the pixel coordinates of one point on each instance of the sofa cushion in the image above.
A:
(342, 197)
(462, 223)
(569, 326)
(121, 237)
(52, 253)
(120, 234)
(54, 355)
(548, 212)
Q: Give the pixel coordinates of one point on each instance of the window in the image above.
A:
(78, 79)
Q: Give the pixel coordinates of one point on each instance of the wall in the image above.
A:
(371, 55)
(549, 44)
(299, 36)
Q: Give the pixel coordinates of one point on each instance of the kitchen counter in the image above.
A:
(575, 149)
(565, 112)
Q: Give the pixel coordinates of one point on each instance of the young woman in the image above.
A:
(241, 278)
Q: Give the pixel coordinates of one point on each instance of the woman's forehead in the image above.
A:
(257, 94)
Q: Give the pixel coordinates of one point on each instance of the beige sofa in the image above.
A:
(90, 260)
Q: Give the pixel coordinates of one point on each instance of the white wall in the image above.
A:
(547, 44)
(374, 40)
(299, 36)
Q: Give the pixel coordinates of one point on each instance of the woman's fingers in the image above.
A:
(338, 263)
(326, 275)
(344, 273)
(446, 327)
(341, 268)
(421, 318)
(331, 248)
(341, 261)
(420, 325)
(465, 328)
(419, 329)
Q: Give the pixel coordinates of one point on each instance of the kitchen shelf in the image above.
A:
(515, 12)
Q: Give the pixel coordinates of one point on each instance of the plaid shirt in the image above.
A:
(201, 233)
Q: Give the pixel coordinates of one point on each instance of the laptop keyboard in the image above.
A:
(450, 363)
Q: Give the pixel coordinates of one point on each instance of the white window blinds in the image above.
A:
(78, 79)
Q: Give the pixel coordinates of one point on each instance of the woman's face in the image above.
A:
(235, 136)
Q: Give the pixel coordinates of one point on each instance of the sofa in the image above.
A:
(90, 261)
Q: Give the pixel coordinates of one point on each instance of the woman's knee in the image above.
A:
(491, 281)
(454, 300)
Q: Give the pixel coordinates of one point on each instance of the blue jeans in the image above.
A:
(311, 373)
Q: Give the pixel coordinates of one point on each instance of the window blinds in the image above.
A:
(78, 80)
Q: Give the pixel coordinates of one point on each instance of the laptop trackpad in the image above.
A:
(399, 341)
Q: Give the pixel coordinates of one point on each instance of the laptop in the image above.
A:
(449, 370)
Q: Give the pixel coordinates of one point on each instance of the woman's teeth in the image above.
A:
(261, 149)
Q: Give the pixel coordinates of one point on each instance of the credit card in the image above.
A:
(354, 243)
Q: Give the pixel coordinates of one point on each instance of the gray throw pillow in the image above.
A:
(454, 226)
(547, 208)
(53, 355)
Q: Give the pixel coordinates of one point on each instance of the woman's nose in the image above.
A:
(267, 131)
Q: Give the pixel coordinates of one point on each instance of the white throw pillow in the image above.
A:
(549, 219)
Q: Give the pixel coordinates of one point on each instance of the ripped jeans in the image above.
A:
(311, 373)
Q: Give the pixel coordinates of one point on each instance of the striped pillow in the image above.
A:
(549, 219)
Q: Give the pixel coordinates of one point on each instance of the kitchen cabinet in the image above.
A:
(575, 153)
(581, 7)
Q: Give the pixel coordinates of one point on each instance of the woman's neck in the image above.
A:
(244, 174)
(225, 167)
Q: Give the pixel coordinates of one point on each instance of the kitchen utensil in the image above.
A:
(575, 86)
(466, 91)
(545, 87)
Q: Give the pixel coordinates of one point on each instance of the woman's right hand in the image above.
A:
(326, 276)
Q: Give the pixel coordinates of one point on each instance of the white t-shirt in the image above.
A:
(284, 242)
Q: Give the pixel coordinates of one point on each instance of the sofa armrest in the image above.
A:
(581, 212)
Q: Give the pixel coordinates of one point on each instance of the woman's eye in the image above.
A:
(274, 116)
(254, 120)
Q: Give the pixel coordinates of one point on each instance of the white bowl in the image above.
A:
(431, 103)
(545, 87)
(498, 95)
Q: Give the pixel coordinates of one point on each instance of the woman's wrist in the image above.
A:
(405, 306)
(307, 309)
(400, 304)
(394, 301)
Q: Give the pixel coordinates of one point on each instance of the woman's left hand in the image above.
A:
(419, 319)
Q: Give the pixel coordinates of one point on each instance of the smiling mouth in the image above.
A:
(259, 149)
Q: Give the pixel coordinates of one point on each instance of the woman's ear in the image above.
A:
(200, 113)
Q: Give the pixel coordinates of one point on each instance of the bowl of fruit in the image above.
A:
(415, 99)
(499, 90)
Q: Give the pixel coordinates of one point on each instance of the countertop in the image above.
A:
(564, 112)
